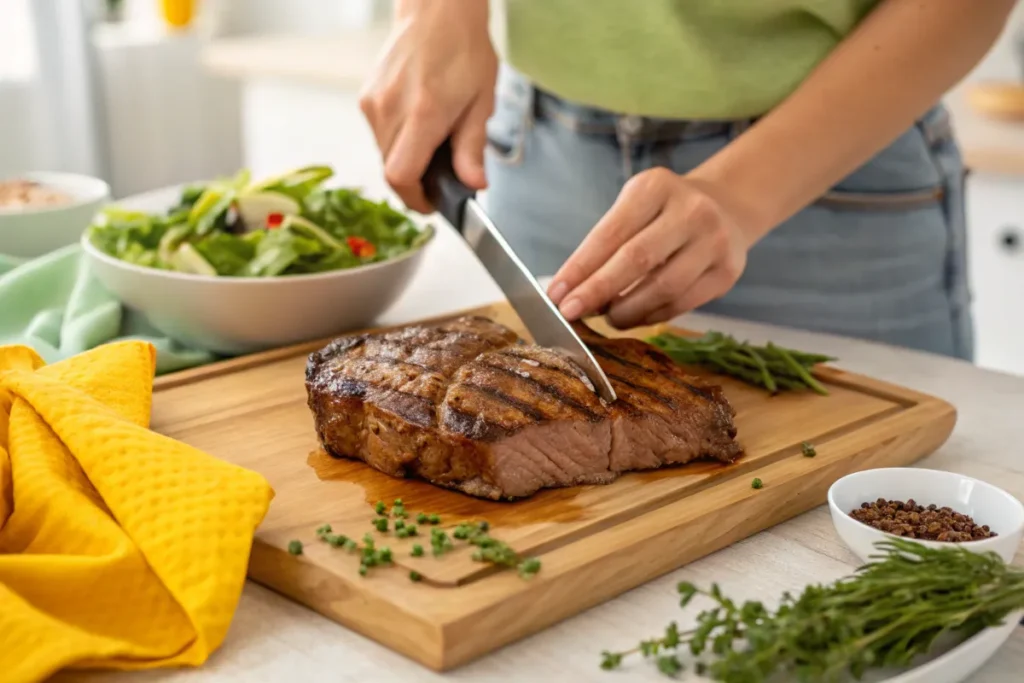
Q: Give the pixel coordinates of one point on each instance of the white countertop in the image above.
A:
(273, 639)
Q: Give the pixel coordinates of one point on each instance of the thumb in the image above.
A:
(468, 142)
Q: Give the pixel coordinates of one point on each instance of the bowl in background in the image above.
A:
(28, 232)
(985, 503)
(236, 315)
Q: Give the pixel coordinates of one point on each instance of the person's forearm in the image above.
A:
(461, 10)
(900, 61)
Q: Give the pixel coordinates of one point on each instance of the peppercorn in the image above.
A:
(930, 523)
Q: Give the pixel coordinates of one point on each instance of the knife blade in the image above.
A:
(457, 203)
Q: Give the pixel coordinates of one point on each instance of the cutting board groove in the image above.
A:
(595, 542)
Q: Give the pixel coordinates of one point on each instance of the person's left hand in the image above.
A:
(669, 240)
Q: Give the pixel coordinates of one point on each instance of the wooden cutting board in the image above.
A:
(594, 542)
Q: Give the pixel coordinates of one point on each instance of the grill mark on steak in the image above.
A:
(472, 426)
(644, 390)
(469, 405)
(398, 361)
(500, 396)
(546, 388)
(695, 390)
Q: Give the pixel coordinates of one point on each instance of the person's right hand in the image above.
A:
(436, 79)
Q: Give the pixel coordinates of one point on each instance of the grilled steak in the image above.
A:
(467, 405)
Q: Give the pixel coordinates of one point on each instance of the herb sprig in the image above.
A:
(772, 367)
(885, 615)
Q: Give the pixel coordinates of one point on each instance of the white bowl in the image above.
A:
(235, 315)
(985, 503)
(34, 231)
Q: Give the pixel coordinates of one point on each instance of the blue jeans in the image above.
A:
(881, 256)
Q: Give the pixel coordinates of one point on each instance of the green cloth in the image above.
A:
(682, 59)
(54, 305)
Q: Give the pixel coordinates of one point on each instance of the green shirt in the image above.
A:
(684, 59)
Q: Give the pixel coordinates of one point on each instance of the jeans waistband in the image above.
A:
(935, 124)
(589, 120)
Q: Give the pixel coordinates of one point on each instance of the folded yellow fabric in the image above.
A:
(119, 547)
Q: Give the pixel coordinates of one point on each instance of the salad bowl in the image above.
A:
(291, 275)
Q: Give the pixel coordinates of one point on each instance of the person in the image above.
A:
(784, 162)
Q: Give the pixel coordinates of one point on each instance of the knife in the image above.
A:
(457, 203)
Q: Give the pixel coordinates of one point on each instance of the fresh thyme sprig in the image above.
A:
(772, 367)
(886, 614)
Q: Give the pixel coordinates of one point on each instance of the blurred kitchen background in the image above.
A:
(147, 93)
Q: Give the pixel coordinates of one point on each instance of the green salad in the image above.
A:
(286, 225)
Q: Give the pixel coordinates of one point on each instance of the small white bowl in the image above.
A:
(28, 232)
(235, 315)
(986, 504)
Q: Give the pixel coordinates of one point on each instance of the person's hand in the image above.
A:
(436, 78)
(668, 245)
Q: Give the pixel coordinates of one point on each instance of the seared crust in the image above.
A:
(467, 405)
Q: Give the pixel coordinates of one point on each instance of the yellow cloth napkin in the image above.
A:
(119, 547)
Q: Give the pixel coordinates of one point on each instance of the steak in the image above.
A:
(468, 405)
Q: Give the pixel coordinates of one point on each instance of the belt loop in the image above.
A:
(739, 127)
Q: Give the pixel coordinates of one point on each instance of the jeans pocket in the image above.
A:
(508, 126)
(904, 200)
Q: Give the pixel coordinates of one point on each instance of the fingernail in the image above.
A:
(572, 309)
(557, 291)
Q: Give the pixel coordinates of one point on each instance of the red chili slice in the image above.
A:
(275, 220)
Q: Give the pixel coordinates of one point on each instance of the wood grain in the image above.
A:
(595, 542)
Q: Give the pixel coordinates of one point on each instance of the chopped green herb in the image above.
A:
(363, 569)
(421, 518)
(400, 512)
(380, 507)
(381, 523)
(295, 547)
(484, 526)
(335, 540)
(412, 529)
(401, 532)
(399, 524)
(415, 576)
(398, 502)
(323, 530)
(368, 541)
(434, 519)
(417, 550)
(808, 449)
(756, 484)
(384, 556)
(529, 567)
(351, 545)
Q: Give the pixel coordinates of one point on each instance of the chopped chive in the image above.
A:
(417, 550)
(399, 523)
(295, 547)
(363, 569)
(756, 484)
(398, 502)
(380, 507)
(421, 518)
(808, 449)
(434, 519)
(415, 576)
(323, 530)
(351, 545)
(381, 523)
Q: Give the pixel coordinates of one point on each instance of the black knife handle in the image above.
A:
(443, 188)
